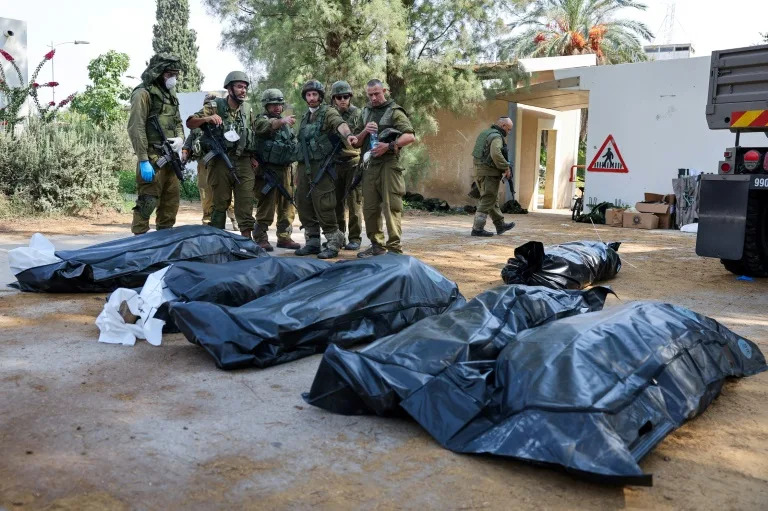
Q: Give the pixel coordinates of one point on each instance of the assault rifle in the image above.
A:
(326, 167)
(169, 155)
(273, 182)
(217, 149)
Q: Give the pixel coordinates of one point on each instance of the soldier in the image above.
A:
(157, 187)
(346, 166)
(490, 166)
(383, 183)
(232, 118)
(317, 209)
(275, 149)
(193, 152)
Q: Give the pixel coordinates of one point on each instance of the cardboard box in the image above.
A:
(640, 220)
(657, 197)
(665, 221)
(614, 217)
(653, 207)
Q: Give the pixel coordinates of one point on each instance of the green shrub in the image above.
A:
(62, 167)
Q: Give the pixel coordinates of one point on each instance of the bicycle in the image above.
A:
(578, 205)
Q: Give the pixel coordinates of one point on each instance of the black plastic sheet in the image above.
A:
(238, 282)
(593, 393)
(376, 378)
(349, 303)
(574, 265)
(127, 262)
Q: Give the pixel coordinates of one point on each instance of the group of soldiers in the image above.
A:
(319, 164)
(264, 149)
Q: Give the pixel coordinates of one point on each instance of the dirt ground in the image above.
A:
(90, 426)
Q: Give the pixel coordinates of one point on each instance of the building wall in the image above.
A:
(16, 45)
(655, 112)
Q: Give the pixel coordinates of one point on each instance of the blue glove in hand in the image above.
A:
(147, 172)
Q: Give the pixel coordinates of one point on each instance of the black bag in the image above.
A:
(127, 262)
(376, 378)
(574, 265)
(350, 302)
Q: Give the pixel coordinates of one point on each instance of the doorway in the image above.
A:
(545, 191)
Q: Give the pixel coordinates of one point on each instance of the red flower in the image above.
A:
(35, 85)
(49, 55)
(52, 84)
(52, 103)
(7, 55)
(539, 38)
(67, 100)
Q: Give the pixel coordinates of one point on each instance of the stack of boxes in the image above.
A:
(655, 212)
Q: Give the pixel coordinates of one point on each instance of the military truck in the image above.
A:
(733, 204)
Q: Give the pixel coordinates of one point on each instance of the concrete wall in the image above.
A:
(655, 112)
(450, 152)
(16, 45)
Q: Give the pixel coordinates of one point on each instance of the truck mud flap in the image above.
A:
(722, 216)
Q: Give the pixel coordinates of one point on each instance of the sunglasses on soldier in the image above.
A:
(343, 96)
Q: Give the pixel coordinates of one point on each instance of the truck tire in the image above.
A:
(754, 261)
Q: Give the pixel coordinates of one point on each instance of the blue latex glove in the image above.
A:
(147, 172)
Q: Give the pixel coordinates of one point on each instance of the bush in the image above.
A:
(62, 167)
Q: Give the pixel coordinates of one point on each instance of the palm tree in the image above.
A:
(550, 28)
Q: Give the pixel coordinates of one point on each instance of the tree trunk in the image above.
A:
(395, 78)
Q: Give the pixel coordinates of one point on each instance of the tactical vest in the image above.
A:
(241, 125)
(165, 105)
(482, 151)
(344, 153)
(382, 115)
(311, 137)
(279, 150)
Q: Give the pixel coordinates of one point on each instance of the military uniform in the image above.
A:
(148, 99)
(383, 182)
(275, 148)
(195, 152)
(318, 211)
(221, 182)
(346, 167)
(490, 165)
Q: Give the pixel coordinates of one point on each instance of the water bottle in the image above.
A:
(374, 139)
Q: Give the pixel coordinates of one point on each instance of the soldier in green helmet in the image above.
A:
(322, 131)
(490, 166)
(192, 151)
(275, 149)
(383, 183)
(232, 120)
(158, 188)
(346, 165)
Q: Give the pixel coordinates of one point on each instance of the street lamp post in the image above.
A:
(53, 78)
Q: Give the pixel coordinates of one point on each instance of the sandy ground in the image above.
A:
(88, 426)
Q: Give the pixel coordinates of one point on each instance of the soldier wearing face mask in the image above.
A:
(232, 118)
(158, 188)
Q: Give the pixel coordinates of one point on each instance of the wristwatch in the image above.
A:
(392, 146)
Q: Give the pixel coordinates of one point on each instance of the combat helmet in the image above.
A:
(340, 87)
(236, 76)
(313, 85)
(272, 97)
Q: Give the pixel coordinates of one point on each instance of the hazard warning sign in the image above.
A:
(608, 158)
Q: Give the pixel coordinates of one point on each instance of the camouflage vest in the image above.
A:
(165, 105)
(241, 124)
(382, 115)
(482, 151)
(311, 137)
(344, 153)
(279, 149)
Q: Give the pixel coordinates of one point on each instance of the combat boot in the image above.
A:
(287, 243)
(332, 246)
(373, 250)
(352, 245)
(478, 226)
(502, 227)
(260, 237)
(312, 247)
(248, 233)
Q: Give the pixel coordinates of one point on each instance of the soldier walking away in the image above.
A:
(383, 182)
(346, 166)
(490, 166)
(232, 119)
(275, 150)
(157, 187)
(192, 151)
(316, 189)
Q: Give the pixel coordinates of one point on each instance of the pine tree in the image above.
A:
(171, 35)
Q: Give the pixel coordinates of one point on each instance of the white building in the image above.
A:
(13, 39)
(669, 51)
